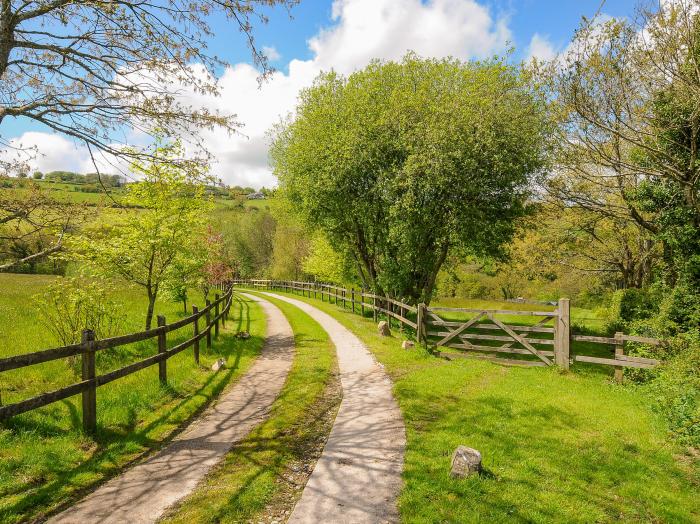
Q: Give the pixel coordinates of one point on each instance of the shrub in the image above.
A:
(70, 305)
(676, 388)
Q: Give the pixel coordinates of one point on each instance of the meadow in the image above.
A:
(557, 447)
(45, 459)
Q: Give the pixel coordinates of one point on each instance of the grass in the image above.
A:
(45, 460)
(261, 474)
(557, 447)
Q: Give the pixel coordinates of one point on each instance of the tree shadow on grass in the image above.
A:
(115, 443)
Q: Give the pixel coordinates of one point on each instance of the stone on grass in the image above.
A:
(407, 344)
(383, 328)
(465, 462)
(243, 334)
(219, 364)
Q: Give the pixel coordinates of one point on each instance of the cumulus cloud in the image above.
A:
(361, 30)
(541, 48)
(271, 53)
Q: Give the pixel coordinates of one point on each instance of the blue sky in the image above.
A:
(344, 35)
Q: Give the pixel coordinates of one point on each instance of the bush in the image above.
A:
(628, 305)
(70, 305)
(676, 388)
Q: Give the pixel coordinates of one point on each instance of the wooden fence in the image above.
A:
(543, 339)
(89, 346)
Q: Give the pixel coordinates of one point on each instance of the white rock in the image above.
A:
(383, 328)
(407, 344)
(219, 364)
(465, 462)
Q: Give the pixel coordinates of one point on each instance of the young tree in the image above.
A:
(150, 246)
(403, 162)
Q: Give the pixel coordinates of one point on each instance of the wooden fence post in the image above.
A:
(344, 290)
(420, 318)
(562, 335)
(163, 364)
(362, 302)
(195, 311)
(374, 308)
(216, 317)
(619, 351)
(88, 373)
(208, 327)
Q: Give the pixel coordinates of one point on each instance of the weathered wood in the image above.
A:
(89, 399)
(612, 362)
(498, 349)
(362, 302)
(28, 359)
(493, 327)
(619, 351)
(501, 338)
(641, 360)
(216, 317)
(208, 326)
(562, 337)
(420, 324)
(195, 330)
(461, 328)
(497, 360)
(162, 348)
(43, 399)
(520, 339)
(497, 311)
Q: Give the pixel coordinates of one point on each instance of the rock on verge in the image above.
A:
(465, 462)
(407, 344)
(383, 328)
(219, 364)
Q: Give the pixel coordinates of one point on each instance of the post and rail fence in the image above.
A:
(477, 333)
(89, 345)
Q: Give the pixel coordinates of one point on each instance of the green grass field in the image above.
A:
(258, 480)
(570, 447)
(45, 460)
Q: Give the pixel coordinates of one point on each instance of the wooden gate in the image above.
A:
(536, 341)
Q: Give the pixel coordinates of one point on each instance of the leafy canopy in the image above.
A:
(403, 162)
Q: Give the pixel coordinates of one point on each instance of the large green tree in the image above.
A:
(403, 162)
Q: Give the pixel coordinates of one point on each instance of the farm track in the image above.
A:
(144, 492)
(357, 479)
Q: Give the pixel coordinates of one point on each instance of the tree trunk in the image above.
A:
(151, 307)
(184, 305)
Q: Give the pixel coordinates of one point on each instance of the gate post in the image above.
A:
(195, 311)
(163, 364)
(88, 373)
(420, 318)
(562, 335)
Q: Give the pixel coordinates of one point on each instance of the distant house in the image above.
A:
(256, 196)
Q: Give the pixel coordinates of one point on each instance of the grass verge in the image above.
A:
(557, 447)
(262, 477)
(46, 462)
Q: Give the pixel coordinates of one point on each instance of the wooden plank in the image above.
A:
(37, 357)
(494, 327)
(43, 400)
(588, 338)
(520, 339)
(89, 400)
(641, 360)
(162, 348)
(497, 360)
(498, 349)
(500, 338)
(612, 362)
(460, 329)
(497, 311)
(642, 340)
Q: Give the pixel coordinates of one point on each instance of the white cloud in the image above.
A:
(361, 30)
(271, 53)
(540, 48)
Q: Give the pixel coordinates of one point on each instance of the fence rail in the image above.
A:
(432, 326)
(89, 346)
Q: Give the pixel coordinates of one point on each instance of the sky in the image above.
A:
(344, 35)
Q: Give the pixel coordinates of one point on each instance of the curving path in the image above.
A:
(144, 492)
(357, 479)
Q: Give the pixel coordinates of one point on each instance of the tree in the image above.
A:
(628, 100)
(403, 162)
(91, 70)
(154, 246)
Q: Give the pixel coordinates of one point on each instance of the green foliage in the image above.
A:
(404, 162)
(627, 305)
(324, 262)
(676, 389)
(160, 244)
(70, 305)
